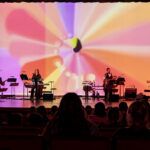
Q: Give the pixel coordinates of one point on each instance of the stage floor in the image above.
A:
(20, 102)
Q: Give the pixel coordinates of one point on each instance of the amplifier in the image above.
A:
(48, 96)
(130, 92)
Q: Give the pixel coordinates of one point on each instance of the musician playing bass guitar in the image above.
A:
(107, 84)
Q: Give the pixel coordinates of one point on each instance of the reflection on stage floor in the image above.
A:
(20, 102)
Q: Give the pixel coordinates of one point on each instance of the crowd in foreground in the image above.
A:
(72, 119)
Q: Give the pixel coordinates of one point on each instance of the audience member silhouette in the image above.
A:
(54, 109)
(71, 120)
(88, 109)
(35, 119)
(99, 116)
(52, 112)
(42, 111)
(137, 118)
(113, 117)
(123, 108)
(15, 119)
(32, 109)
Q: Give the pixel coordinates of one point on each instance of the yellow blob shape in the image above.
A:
(73, 42)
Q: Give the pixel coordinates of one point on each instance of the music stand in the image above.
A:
(13, 84)
(11, 80)
(23, 77)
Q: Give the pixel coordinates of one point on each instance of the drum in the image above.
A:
(87, 88)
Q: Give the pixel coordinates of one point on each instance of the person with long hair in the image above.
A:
(71, 118)
(36, 79)
(99, 116)
(137, 119)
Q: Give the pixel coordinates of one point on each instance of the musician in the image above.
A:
(108, 74)
(36, 79)
(107, 85)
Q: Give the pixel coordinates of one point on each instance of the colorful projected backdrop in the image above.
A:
(44, 36)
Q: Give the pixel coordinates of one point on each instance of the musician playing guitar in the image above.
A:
(107, 84)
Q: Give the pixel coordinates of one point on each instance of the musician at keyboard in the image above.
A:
(36, 88)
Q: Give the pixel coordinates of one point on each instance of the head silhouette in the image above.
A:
(113, 114)
(71, 107)
(100, 109)
(108, 69)
(138, 114)
(71, 115)
(88, 109)
(123, 106)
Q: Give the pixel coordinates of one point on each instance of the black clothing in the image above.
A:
(108, 75)
(125, 132)
(107, 89)
(129, 135)
(35, 80)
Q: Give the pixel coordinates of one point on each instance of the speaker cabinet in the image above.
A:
(130, 92)
(48, 96)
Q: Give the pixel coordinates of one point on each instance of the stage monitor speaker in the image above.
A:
(130, 92)
(114, 98)
(48, 96)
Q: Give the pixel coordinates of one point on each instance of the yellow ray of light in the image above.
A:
(54, 76)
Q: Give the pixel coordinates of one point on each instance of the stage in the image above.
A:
(25, 102)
